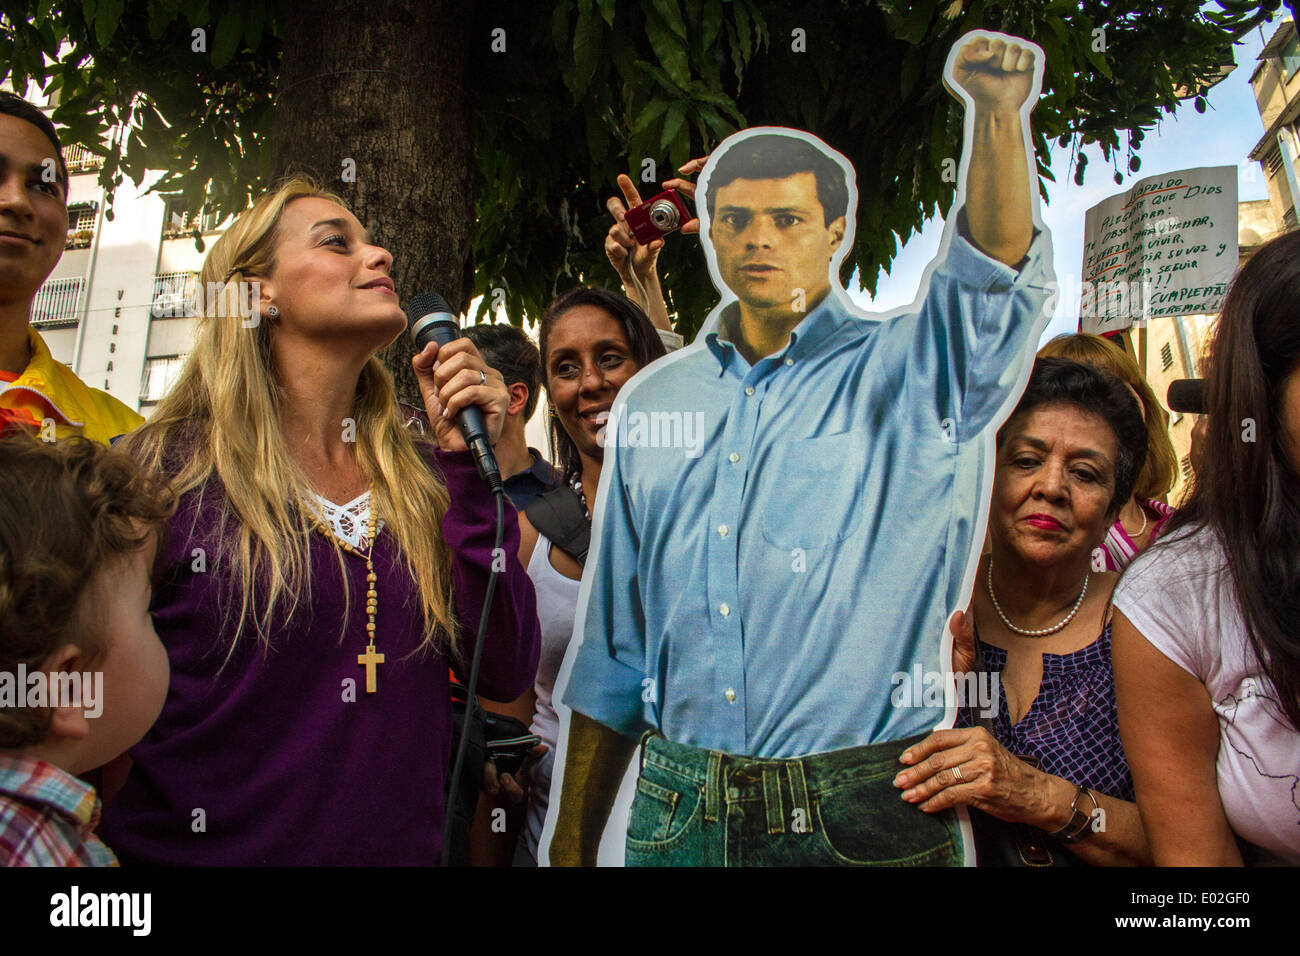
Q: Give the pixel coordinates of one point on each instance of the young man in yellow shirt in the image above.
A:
(36, 390)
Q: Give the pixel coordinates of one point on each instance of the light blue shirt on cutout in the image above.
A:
(755, 586)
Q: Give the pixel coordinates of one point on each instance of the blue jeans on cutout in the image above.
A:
(698, 807)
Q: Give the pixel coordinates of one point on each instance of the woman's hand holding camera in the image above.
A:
(624, 252)
(634, 262)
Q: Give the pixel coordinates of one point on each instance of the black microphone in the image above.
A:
(1187, 395)
(430, 319)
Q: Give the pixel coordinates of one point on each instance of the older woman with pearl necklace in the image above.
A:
(1041, 763)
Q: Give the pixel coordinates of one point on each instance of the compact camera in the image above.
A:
(657, 216)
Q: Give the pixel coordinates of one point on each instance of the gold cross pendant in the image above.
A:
(370, 660)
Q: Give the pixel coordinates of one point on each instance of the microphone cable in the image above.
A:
(471, 701)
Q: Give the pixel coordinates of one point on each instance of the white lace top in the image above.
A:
(349, 521)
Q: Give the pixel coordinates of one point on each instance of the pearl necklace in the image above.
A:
(370, 660)
(1134, 537)
(1041, 632)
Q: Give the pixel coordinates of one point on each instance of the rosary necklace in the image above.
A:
(370, 660)
(1042, 631)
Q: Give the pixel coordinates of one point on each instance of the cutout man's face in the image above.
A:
(771, 239)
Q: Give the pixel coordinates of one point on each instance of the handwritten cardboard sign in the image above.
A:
(1167, 246)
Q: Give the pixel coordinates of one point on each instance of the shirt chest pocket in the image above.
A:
(813, 490)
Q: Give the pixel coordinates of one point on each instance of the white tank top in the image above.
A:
(557, 603)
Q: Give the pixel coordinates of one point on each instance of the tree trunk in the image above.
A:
(372, 101)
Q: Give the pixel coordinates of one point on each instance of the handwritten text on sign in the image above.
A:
(1168, 246)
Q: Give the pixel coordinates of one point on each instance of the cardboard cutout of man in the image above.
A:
(792, 507)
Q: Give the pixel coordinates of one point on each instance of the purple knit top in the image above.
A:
(273, 759)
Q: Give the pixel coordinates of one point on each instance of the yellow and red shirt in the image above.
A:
(48, 389)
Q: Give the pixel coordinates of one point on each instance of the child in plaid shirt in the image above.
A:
(82, 673)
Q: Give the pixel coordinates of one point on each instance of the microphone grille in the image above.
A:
(424, 303)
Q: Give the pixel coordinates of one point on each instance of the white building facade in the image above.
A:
(114, 308)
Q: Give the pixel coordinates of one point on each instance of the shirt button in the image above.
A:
(724, 609)
(789, 361)
(722, 530)
(749, 389)
(730, 695)
(733, 458)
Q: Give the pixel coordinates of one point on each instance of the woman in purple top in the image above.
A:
(1037, 752)
(322, 568)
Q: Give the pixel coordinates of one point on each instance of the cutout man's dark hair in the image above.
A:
(776, 156)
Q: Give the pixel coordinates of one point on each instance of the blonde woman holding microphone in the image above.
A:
(323, 567)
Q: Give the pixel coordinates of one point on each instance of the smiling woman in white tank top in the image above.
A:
(592, 341)
(557, 597)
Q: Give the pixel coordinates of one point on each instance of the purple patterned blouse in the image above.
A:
(1072, 726)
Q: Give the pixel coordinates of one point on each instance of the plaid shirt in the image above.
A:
(47, 817)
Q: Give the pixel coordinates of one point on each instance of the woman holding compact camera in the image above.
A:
(637, 263)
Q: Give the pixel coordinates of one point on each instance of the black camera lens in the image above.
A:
(664, 215)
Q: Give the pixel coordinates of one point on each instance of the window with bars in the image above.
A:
(78, 159)
(1273, 161)
(81, 225)
(57, 303)
(1290, 56)
(174, 295)
(177, 222)
(159, 375)
(1166, 357)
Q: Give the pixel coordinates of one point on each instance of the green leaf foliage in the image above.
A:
(592, 88)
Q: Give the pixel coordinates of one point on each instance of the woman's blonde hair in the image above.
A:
(1158, 474)
(219, 432)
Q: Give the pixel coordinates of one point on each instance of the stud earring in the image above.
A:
(273, 312)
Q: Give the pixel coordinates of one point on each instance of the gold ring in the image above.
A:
(956, 772)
